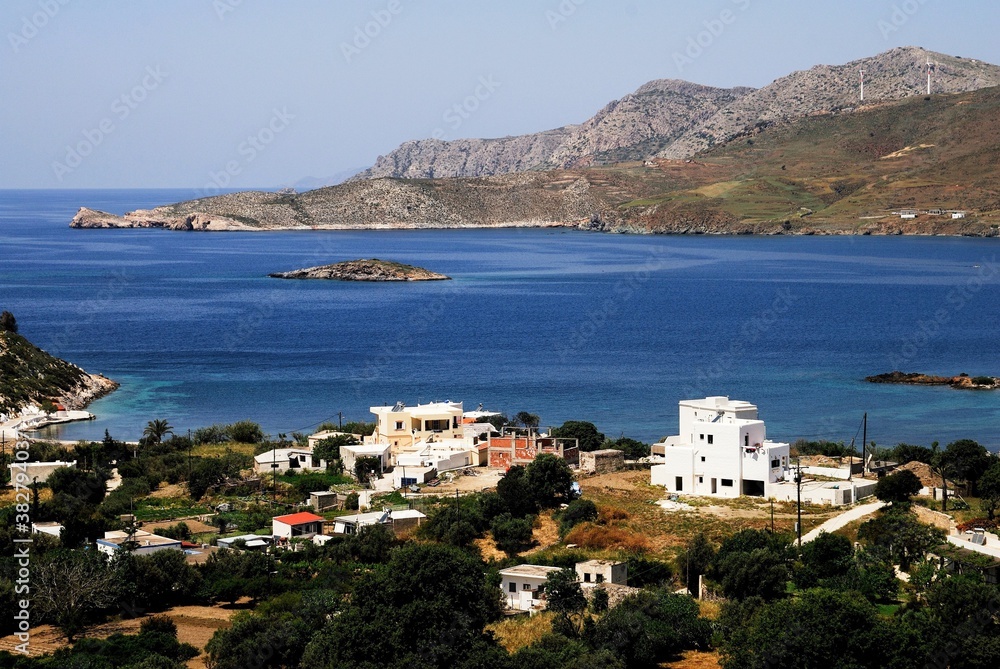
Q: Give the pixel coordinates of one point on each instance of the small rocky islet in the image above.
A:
(962, 381)
(369, 269)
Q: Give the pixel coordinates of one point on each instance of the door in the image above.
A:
(713, 486)
(679, 483)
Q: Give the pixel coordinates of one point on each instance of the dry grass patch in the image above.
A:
(693, 659)
(517, 632)
(219, 450)
(601, 537)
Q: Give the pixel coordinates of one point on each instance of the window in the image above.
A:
(586, 577)
(702, 437)
(512, 587)
(727, 483)
(711, 438)
(399, 425)
(746, 439)
(600, 578)
(703, 458)
(701, 479)
(526, 586)
(775, 463)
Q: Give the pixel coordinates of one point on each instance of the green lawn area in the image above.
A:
(167, 508)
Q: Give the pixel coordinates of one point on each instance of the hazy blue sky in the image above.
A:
(170, 93)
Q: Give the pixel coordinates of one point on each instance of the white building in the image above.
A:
(397, 520)
(722, 451)
(147, 542)
(401, 426)
(251, 541)
(296, 525)
(522, 585)
(440, 454)
(27, 472)
(281, 460)
(52, 529)
(350, 454)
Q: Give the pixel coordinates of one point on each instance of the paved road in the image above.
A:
(843, 519)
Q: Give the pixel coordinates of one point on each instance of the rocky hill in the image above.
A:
(371, 269)
(677, 119)
(843, 172)
(893, 75)
(29, 375)
(632, 128)
(516, 200)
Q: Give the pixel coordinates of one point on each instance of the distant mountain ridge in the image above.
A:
(853, 171)
(892, 75)
(678, 119)
(636, 126)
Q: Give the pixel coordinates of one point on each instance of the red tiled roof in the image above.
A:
(299, 518)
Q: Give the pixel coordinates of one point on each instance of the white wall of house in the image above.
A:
(520, 591)
(721, 451)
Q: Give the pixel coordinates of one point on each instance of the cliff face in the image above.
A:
(632, 128)
(29, 375)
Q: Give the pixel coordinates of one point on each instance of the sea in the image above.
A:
(569, 325)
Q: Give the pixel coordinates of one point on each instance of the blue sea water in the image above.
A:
(614, 329)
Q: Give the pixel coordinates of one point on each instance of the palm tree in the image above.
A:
(156, 430)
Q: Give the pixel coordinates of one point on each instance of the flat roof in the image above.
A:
(599, 563)
(245, 537)
(278, 454)
(377, 449)
(118, 537)
(608, 451)
(534, 570)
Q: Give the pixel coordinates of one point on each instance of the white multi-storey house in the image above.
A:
(722, 450)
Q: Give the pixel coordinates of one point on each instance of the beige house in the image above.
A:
(602, 571)
(401, 426)
(602, 461)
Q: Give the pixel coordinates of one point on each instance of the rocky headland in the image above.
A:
(30, 376)
(371, 269)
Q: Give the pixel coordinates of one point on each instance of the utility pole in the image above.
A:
(864, 444)
(772, 515)
(798, 499)
(189, 454)
(340, 415)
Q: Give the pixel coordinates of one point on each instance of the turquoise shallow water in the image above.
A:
(610, 328)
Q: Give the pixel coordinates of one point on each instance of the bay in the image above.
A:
(614, 329)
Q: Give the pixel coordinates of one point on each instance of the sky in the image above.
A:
(211, 94)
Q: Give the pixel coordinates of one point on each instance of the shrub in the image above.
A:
(245, 432)
(578, 511)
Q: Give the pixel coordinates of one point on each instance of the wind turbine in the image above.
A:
(862, 85)
(929, 66)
